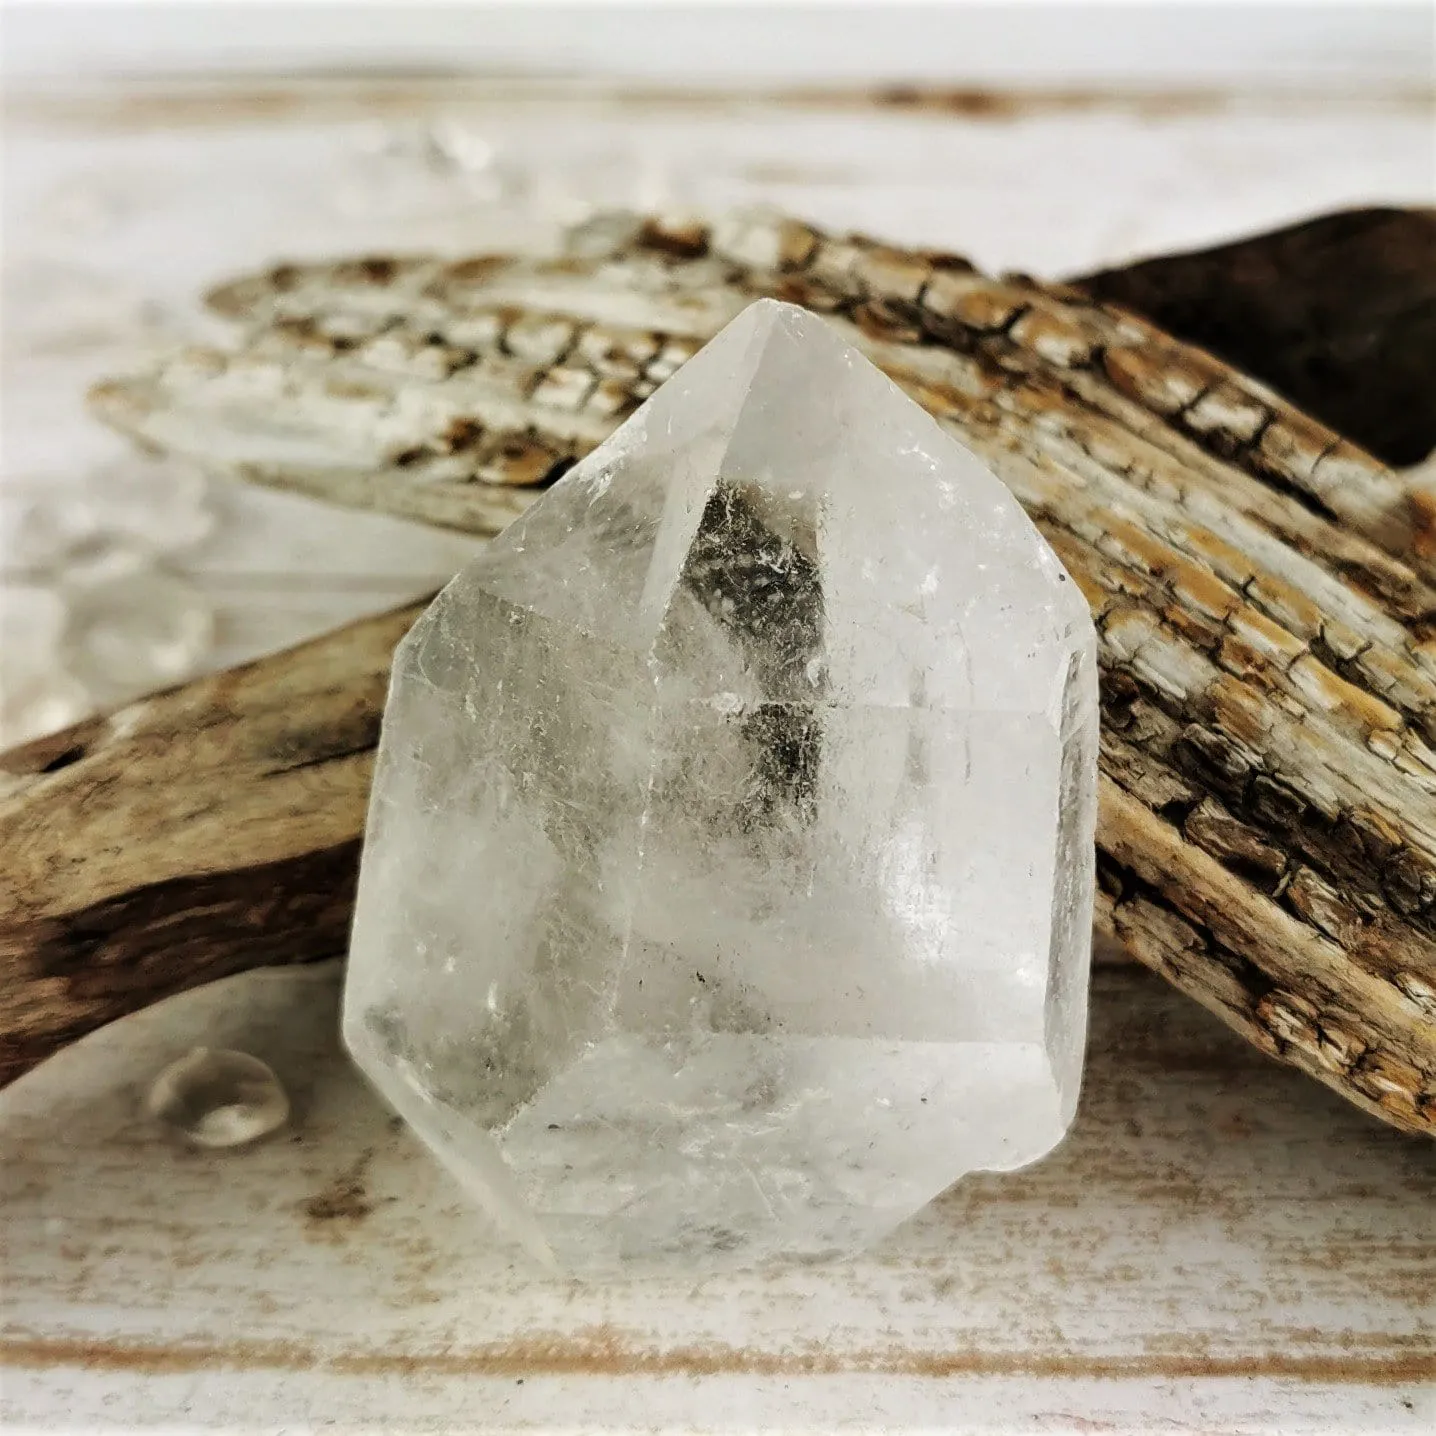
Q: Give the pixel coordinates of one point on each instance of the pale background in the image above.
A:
(1219, 1245)
(1352, 45)
(254, 131)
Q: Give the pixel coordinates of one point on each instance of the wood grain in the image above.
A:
(1215, 1237)
(210, 829)
(1338, 314)
(1269, 832)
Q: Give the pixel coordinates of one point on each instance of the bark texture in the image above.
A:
(201, 832)
(1268, 824)
(1339, 314)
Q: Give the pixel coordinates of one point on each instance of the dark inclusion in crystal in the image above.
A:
(766, 594)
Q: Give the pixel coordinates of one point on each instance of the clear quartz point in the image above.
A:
(728, 884)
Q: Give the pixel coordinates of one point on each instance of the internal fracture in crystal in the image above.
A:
(727, 889)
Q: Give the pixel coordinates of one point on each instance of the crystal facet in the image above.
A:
(728, 883)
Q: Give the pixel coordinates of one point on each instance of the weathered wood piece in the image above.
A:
(1268, 829)
(428, 388)
(1338, 314)
(194, 834)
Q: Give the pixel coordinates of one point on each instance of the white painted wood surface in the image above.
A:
(1220, 1245)
(1346, 44)
(123, 203)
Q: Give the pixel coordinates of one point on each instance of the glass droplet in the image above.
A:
(428, 171)
(55, 307)
(450, 145)
(132, 634)
(40, 532)
(158, 504)
(34, 705)
(61, 538)
(214, 1097)
(37, 696)
(602, 235)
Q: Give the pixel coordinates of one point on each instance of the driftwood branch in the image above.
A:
(1338, 313)
(1268, 827)
(201, 832)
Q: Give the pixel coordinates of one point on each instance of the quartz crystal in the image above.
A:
(727, 890)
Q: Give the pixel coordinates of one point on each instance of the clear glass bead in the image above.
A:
(55, 307)
(40, 531)
(160, 505)
(123, 512)
(60, 537)
(34, 705)
(214, 1097)
(132, 634)
(421, 170)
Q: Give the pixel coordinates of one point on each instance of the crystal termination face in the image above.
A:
(727, 889)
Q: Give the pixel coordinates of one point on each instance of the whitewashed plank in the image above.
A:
(1350, 45)
(1218, 1243)
(123, 203)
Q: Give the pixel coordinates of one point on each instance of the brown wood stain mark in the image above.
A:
(1285, 602)
(977, 103)
(141, 102)
(54, 751)
(1225, 560)
(1142, 549)
(1335, 693)
(685, 239)
(1239, 712)
(474, 269)
(346, 1198)
(604, 1351)
(1198, 588)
